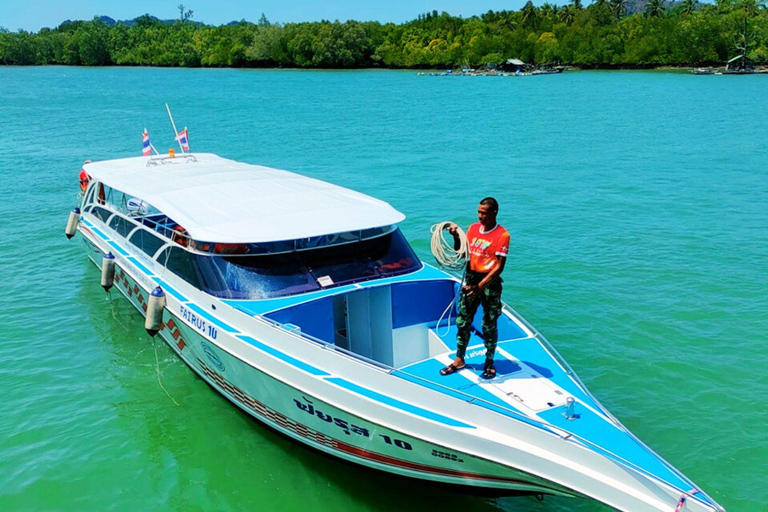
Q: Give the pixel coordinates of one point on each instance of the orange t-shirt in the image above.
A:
(485, 249)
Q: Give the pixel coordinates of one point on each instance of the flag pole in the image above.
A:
(175, 132)
(150, 144)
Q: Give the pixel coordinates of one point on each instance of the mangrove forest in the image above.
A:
(603, 34)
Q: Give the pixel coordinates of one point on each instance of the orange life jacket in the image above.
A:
(84, 180)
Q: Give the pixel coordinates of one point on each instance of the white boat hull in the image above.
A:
(461, 444)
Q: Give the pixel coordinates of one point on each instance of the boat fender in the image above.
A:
(155, 311)
(107, 271)
(72, 221)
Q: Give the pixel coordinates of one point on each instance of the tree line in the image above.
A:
(599, 35)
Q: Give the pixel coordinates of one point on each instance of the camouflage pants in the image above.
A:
(490, 298)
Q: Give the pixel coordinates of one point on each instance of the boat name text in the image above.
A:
(198, 322)
(344, 425)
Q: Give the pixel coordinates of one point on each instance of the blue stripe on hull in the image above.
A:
(170, 289)
(397, 404)
(283, 357)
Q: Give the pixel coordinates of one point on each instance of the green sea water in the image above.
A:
(638, 208)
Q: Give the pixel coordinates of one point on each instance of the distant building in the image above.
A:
(513, 65)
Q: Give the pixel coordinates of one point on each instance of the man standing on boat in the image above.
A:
(488, 248)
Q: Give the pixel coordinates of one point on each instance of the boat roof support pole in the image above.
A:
(175, 132)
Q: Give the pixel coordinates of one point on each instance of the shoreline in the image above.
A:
(717, 68)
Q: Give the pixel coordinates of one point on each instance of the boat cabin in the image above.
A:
(363, 290)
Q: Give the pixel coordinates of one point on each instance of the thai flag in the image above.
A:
(183, 138)
(146, 148)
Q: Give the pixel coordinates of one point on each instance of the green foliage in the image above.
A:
(597, 35)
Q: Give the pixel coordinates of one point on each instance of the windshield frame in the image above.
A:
(272, 275)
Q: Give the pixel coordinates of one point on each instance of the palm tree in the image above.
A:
(567, 14)
(546, 10)
(750, 7)
(530, 14)
(577, 5)
(619, 8)
(724, 6)
(655, 9)
(600, 3)
(689, 6)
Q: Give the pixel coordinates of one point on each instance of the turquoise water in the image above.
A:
(638, 207)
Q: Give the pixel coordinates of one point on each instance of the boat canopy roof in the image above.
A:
(220, 200)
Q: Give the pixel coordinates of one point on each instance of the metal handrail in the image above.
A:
(569, 371)
(167, 159)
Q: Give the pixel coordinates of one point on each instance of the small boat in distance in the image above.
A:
(302, 303)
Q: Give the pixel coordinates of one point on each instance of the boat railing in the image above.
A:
(501, 409)
(561, 361)
(571, 373)
(168, 160)
(559, 431)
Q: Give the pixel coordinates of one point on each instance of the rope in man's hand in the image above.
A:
(443, 247)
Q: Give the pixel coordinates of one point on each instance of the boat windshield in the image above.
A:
(274, 275)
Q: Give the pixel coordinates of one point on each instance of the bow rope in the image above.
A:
(443, 247)
(449, 258)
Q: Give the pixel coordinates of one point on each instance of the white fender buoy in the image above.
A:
(72, 221)
(155, 311)
(107, 271)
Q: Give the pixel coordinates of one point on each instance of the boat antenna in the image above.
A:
(175, 132)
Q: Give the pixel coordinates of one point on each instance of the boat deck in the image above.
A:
(532, 387)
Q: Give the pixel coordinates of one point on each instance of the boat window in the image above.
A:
(106, 196)
(146, 241)
(181, 263)
(274, 275)
(255, 277)
(101, 213)
(122, 225)
(381, 256)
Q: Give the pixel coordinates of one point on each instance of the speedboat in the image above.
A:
(302, 303)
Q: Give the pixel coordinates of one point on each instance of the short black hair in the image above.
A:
(493, 203)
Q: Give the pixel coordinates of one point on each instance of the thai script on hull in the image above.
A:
(348, 428)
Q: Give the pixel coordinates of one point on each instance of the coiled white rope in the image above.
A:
(443, 247)
(450, 258)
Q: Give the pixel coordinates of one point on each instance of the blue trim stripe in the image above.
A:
(100, 233)
(85, 221)
(283, 357)
(140, 266)
(464, 397)
(170, 289)
(397, 404)
(118, 248)
(200, 311)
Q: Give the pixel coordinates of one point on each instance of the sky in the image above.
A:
(32, 15)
